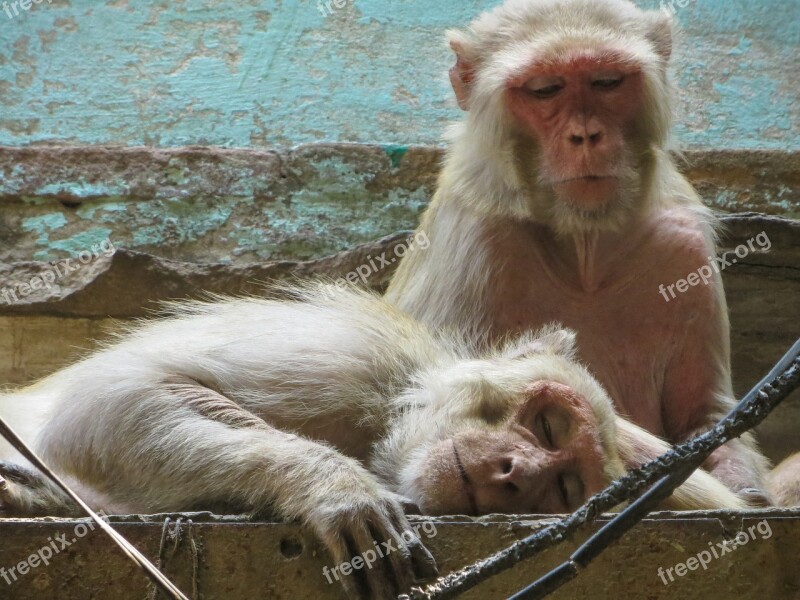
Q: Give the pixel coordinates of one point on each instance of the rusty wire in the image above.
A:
(664, 474)
(149, 569)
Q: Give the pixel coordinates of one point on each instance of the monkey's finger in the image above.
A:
(402, 565)
(399, 556)
(756, 498)
(424, 564)
(340, 552)
(378, 581)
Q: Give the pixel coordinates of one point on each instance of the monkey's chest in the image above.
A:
(626, 341)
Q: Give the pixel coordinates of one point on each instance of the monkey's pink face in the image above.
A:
(547, 458)
(580, 112)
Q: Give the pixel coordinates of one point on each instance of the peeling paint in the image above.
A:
(74, 245)
(240, 206)
(42, 225)
(277, 72)
(395, 152)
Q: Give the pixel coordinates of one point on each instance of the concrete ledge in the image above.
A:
(209, 204)
(230, 558)
(132, 284)
(129, 283)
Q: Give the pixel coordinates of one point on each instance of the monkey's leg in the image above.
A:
(176, 445)
(27, 493)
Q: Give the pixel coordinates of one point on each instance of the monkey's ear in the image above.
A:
(553, 339)
(659, 33)
(462, 75)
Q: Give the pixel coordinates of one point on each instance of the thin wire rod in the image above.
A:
(781, 380)
(130, 551)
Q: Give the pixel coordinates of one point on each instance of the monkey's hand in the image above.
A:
(757, 498)
(376, 552)
(739, 466)
(26, 493)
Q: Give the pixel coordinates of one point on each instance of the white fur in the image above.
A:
(307, 375)
(486, 189)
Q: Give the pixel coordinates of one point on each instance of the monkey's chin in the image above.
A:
(588, 194)
(446, 497)
(439, 488)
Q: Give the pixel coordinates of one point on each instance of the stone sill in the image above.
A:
(242, 559)
(201, 204)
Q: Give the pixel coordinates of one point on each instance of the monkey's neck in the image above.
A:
(587, 269)
(588, 260)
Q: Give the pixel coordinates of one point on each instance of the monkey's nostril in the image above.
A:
(512, 488)
(576, 139)
(507, 466)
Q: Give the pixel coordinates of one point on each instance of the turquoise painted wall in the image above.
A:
(279, 72)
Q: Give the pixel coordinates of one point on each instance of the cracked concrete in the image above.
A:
(239, 558)
(240, 206)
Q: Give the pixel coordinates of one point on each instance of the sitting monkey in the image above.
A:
(558, 201)
(332, 407)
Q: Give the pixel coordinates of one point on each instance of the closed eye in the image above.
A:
(544, 425)
(544, 86)
(607, 83)
(547, 92)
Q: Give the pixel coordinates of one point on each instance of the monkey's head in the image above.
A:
(526, 431)
(569, 106)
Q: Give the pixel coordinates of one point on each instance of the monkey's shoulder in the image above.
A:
(681, 236)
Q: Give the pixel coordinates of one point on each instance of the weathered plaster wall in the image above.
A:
(239, 206)
(278, 72)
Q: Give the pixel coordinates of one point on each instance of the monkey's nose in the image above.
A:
(514, 476)
(594, 138)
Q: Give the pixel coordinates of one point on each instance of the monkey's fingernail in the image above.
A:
(756, 497)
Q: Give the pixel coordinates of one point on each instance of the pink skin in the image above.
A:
(655, 358)
(582, 125)
(461, 78)
(517, 469)
(662, 362)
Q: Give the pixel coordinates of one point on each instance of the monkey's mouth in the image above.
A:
(467, 483)
(585, 178)
(590, 194)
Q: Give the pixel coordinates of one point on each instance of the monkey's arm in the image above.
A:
(348, 509)
(698, 392)
(447, 284)
(784, 482)
(171, 444)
